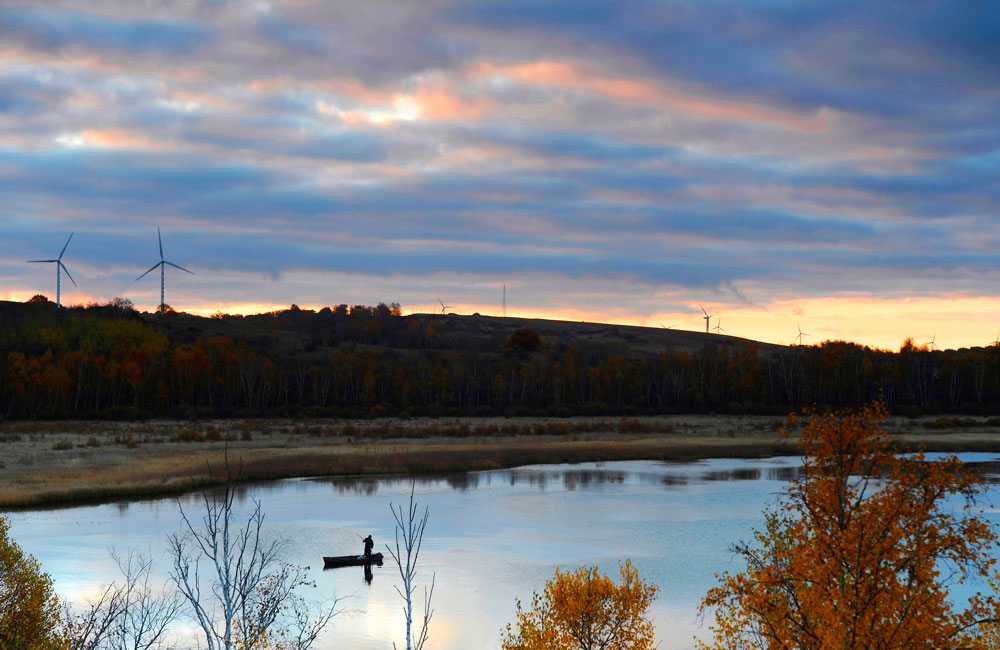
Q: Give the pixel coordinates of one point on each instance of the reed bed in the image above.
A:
(52, 464)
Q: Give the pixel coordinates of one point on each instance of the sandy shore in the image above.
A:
(59, 463)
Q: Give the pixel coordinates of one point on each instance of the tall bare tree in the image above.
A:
(247, 597)
(410, 528)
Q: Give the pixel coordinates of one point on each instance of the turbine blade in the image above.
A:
(439, 300)
(159, 238)
(65, 245)
(67, 273)
(178, 267)
(33, 261)
(702, 310)
(147, 272)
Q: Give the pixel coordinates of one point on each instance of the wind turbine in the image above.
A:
(163, 265)
(59, 267)
(706, 317)
(666, 327)
(932, 344)
(444, 307)
(996, 341)
(718, 326)
(801, 333)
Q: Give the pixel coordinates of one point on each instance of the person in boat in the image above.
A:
(369, 544)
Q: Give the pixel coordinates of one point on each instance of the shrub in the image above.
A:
(29, 609)
(585, 609)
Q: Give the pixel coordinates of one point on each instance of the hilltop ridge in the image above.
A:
(361, 361)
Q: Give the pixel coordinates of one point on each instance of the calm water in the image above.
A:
(492, 537)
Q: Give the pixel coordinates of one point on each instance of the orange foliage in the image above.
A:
(861, 552)
(585, 609)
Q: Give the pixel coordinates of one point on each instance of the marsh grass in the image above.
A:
(69, 462)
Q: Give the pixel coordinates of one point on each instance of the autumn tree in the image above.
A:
(861, 552)
(29, 610)
(586, 610)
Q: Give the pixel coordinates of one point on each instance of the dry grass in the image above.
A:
(64, 462)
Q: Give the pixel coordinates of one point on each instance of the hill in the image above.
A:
(108, 360)
(305, 332)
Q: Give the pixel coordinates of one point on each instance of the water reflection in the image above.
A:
(493, 537)
(988, 470)
(542, 477)
(741, 474)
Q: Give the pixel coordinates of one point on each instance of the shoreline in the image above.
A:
(52, 465)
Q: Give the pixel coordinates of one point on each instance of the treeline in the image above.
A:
(106, 361)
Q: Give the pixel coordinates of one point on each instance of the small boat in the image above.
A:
(351, 560)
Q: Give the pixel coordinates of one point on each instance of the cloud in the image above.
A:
(572, 75)
(54, 29)
(114, 138)
(295, 36)
(754, 155)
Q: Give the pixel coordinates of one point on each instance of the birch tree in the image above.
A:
(239, 590)
(410, 530)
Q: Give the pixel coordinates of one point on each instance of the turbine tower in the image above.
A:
(163, 265)
(59, 267)
(706, 317)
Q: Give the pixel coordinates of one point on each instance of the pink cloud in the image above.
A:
(436, 100)
(199, 97)
(576, 76)
(431, 98)
(120, 138)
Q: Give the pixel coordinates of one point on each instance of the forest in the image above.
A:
(111, 362)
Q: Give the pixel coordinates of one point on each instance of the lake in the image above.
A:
(492, 537)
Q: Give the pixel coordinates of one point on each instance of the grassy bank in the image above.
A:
(48, 464)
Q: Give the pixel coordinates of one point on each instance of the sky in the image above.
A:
(829, 167)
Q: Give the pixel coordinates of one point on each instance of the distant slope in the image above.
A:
(641, 341)
(474, 332)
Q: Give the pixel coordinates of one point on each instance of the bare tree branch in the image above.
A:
(411, 530)
(251, 599)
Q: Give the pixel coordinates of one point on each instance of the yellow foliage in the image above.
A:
(586, 610)
(861, 552)
(29, 611)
